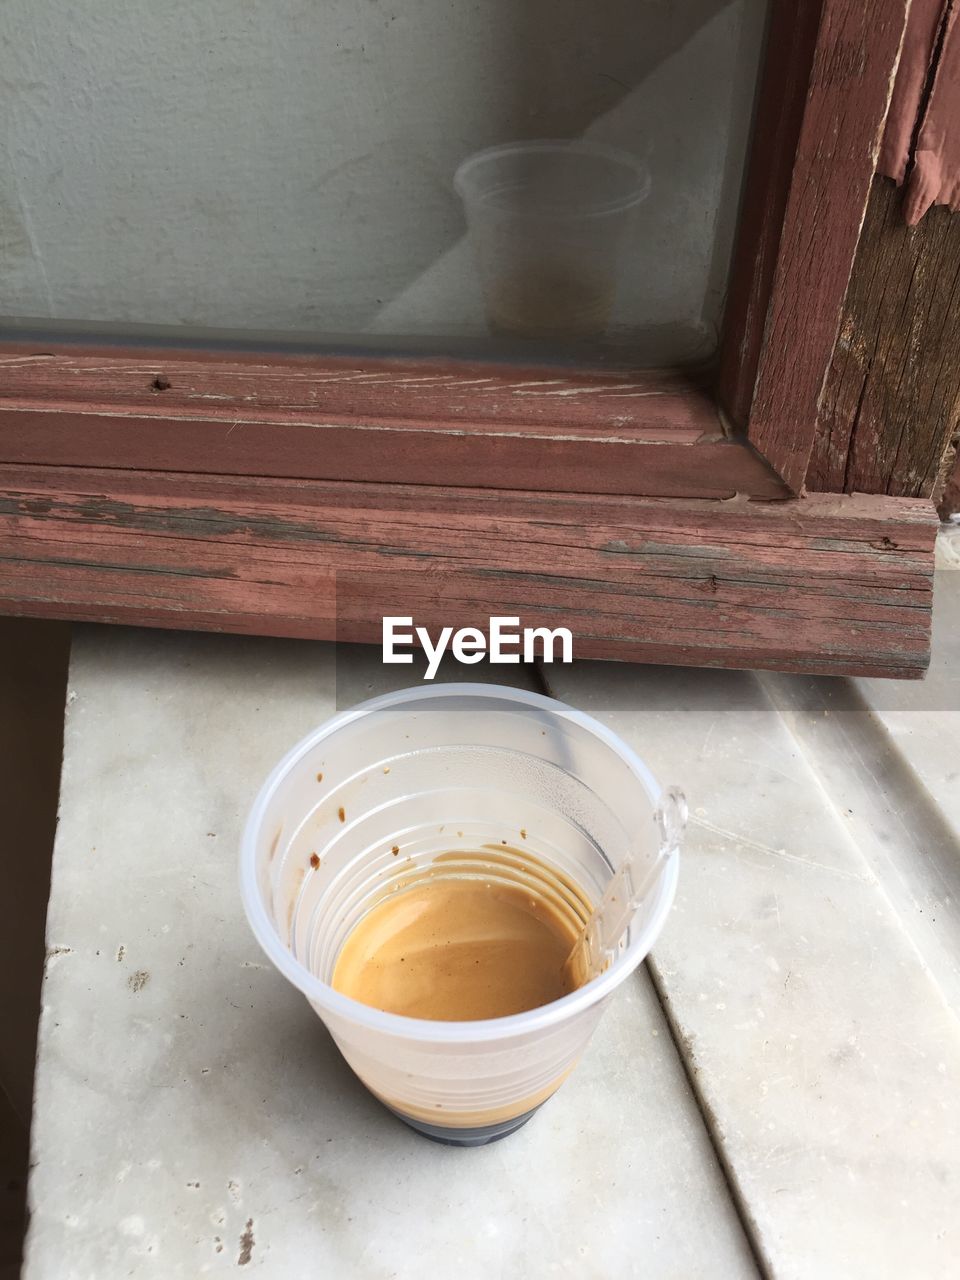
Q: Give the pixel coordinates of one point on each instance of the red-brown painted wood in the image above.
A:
(785, 319)
(821, 584)
(438, 422)
(781, 99)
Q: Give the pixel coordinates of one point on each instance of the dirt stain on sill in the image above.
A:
(246, 1244)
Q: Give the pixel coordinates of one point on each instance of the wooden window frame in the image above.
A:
(662, 512)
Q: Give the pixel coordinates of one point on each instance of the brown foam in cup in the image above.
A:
(475, 934)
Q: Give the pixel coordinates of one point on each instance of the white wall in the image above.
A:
(287, 164)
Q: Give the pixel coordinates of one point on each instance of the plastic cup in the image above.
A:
(436, 770)
(549, 221)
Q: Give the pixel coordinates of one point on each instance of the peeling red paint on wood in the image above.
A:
(822, 584)
(785, 317)
(890, 409)
(437, 422)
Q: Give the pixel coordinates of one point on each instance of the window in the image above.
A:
(367, 426)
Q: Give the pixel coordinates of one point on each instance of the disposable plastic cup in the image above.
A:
(549, 221)
(368, 801)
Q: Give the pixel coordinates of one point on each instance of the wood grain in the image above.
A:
(821, 584)
(418, 422)
(891, 405)
(781, 99)
(798, 313)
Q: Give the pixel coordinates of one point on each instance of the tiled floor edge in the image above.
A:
(687, 1054)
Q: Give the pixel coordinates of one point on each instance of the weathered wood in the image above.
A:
(891, 404)
(422, 422)
(857, 47)
(820, 584)
(781, 98)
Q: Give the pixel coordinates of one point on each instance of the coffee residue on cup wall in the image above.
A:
(274, 842)
(294, 889)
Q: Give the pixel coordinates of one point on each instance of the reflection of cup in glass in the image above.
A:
(440, 783)
(549, 221)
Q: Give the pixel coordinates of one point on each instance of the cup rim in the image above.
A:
(426, 1029)
(543, 146)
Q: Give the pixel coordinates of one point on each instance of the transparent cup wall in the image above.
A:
(426, 772)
